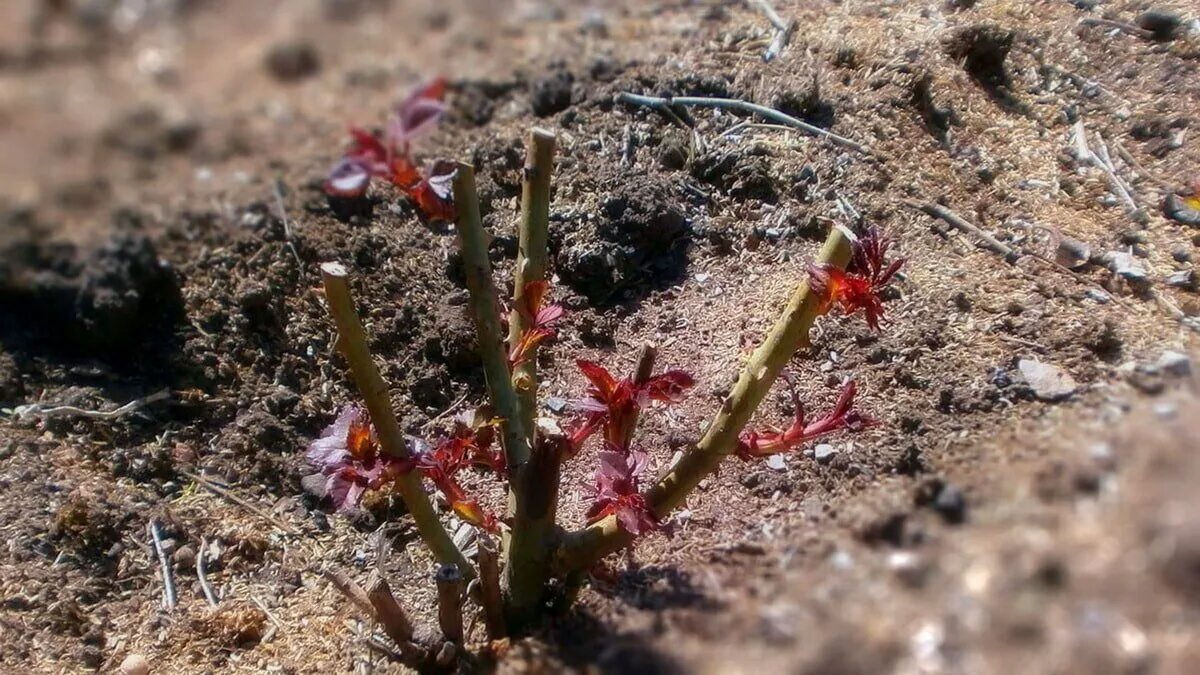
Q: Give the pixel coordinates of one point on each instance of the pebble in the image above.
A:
(824, 453)
(292, 61)
(1126, 266)
(134, 664)
(185, 557)
(776, 463)
(1048, 382)
(1182, 279)
(1175, 363)
(910, 568)
(951, 504)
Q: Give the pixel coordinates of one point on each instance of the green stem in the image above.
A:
(374, 391)
(525, 546)
(473, 241)
(531, 260)
(580, 550)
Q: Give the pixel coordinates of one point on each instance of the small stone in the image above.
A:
(556, 404)
(314, 484)
(1126, 266)
(1181, 254)
(1100, 297)
(776, 463)
(1183, 279)
(1049, 383)
(951, 504)
(1163, 26)
(134, 664)
(292, 61)
(1175, 363)
(824, 453)
(910, 568)
(185, 557)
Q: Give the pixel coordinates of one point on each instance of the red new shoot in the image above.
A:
(614, 404)
(755, 444)
(539, 321)
(858, 287)
(348, 453)
(390, 158)
(616, 490)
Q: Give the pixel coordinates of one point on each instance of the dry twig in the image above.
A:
(209, 595)
(951, 218)
(169, 597)
(783, 30)
(30, 410)
(664, 106)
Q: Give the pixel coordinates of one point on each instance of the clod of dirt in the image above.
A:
(232, 624)
(1048, 382)
(107, 305)
(292, 61)
(639, 238)
(1163, 26)
(740, 174)
(475, 101)
(452, 340)
(12, 384)
(1103, 339)
(146, 132)
(806, 104)
(551, 94)
(937, 118)
(86, 525)
(673, 152)
(983, 50)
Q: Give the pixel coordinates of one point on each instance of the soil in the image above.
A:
(161, 222)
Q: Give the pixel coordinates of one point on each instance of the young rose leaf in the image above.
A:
(754, 444)
(860, 285)
(418, 114)
(349, 455)
(539, 321)
(615, 404)
(615, 490)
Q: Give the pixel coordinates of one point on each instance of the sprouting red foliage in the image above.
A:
(843, 416)
(389, 158)
(616, 490)
(614, 404)
(860, 285)
(348, 454)
(418, 114)
(539, 321)
(471, 443)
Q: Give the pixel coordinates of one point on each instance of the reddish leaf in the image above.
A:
(843, 416)
(859, 287)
